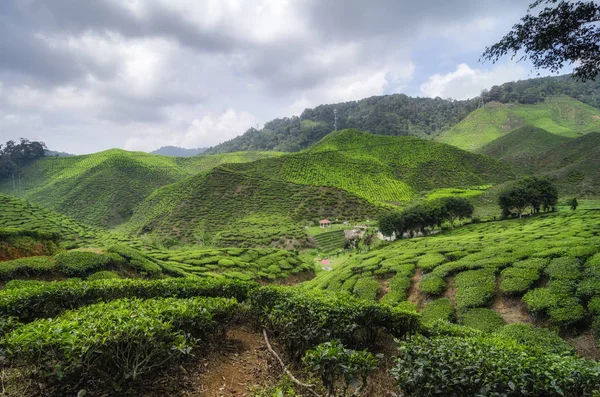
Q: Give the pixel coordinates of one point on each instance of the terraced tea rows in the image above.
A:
(548, 261)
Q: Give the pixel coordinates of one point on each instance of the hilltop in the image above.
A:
(563, 116)
(401, 115)
(102, 189)
(348, 175)
(522, 144)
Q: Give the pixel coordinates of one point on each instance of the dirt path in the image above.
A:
(414, 293)
(512, 310)
(237, 370)
(585, 345)
(450, 292)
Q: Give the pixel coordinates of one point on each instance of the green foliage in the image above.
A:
(439, 309)
(137, 260)
(560, 115)
(14, 155)
(45, 300)
(83, 263)
(429, 261)
(457, 366)
(542, 339)
(432, 284)
(116, 343)
(103, 275)
(528, 192)
(102, 189)
(335, 364)
(485, 320)
(366, 288)
(26, 267)
(303, 319)
(474, 288)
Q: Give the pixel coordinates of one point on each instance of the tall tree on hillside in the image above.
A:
(562, 32)
(14, 155)
(456, 208)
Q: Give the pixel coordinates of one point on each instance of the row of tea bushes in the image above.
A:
(48, 299)
(489, 366)
(116, 343)
(20, 243)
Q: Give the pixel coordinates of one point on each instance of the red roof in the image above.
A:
(324, 221)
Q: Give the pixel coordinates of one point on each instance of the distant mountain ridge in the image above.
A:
(176, 151)
(400, 115)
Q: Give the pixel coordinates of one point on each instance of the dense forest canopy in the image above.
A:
(400, 115)
(14, 155)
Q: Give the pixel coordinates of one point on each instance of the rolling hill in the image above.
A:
(102, 189)
(348, 175)
(563, 116)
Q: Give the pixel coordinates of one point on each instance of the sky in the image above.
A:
(85, 76)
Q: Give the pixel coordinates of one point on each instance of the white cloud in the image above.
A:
(466, 83)
(206, 131)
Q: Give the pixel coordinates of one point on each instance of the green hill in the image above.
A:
(563, 116)
(102, 189)
(349, 175)
(522, 144)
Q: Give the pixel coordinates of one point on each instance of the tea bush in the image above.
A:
(432, 284)
(302, 319)
(485, 320)
(484, 366)
(335, 364)
(542, 339)
(140, 262)
(366, 288)
(474, 288)
(518, 280)
(439, 309)
(50, 299)
(26, 267)
(82, 263)
(116, 342)
(103, 275)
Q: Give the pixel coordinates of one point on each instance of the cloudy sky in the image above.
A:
(85, 76)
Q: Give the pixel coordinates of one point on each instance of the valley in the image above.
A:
(253, 267)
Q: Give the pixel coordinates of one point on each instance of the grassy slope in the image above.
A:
(381, 169)
(563, 116)
(102, 189)
(572, 163)
(348, 175)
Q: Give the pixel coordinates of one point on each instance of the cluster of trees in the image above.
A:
(534, 193)
(14, 155)
(423, 218)
(397, 115)
(537, 90)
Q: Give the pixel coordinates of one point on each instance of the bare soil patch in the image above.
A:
(451, 290)
(585, 345)
(414, 292)
(512, 310)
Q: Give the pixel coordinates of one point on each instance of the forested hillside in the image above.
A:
(400, 115)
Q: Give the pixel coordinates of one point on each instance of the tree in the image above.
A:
(456, 208)
(14, 155)
(532, 191)
(516, 199)
(573, 203)
(562, 32)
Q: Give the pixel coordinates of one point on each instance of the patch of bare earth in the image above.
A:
(512, 310)
(450, 292)
(585, 345)
(240, 364)
(414, 292)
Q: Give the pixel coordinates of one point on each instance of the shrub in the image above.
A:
(82, 263)
(432, 284)
(429, 261)
(542, 339)
(26, 267)
(104, 275)
(518, 279)
(484, 366)
(564, 268)
(399, 285)
(51, 299)
(474, 288)
(439, 309)
(485, 320)
(302, 319)
(136, 259)
(335, 364)
(539, 300)
(366, 288)
(116, 342)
